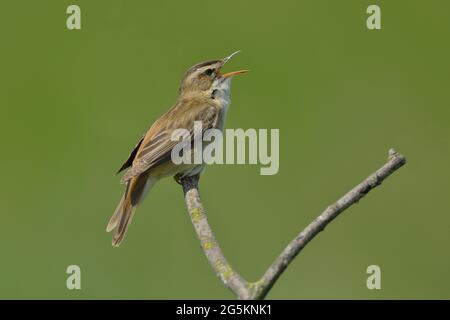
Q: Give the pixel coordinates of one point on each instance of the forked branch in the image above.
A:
(259, 289)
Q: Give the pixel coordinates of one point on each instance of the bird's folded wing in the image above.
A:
(131, 157)
(157, 145)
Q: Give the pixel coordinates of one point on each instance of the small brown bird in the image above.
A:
(204, 95)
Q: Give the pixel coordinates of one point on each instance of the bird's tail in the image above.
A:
(135, 192)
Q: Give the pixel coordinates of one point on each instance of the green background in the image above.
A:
(74, 103)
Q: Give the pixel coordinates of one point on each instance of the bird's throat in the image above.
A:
(221, 91)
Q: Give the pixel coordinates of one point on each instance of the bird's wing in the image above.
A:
(131, 157)
(157, 145)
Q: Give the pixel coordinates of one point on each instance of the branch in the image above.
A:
(259, 289)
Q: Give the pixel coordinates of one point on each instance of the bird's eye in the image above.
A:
(209, 72)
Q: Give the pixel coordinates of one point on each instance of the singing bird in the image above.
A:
(204, 95)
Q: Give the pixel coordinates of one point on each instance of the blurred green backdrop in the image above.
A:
(74, 103)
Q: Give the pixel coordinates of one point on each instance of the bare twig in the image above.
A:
(259, 289)
(210, 247)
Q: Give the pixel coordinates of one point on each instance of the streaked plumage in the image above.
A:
(204, 95)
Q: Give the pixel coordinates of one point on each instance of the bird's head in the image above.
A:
(205, 77)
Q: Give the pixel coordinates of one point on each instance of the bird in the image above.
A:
(203, 95)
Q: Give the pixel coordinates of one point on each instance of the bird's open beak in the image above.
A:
(225, 60)
(230, 74)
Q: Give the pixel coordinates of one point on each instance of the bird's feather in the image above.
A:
(156, 146)
(131, 157)
(136, 190)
